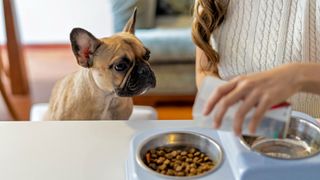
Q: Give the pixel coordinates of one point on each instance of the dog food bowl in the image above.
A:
(178, 139)
(250, 158)
(302, 141)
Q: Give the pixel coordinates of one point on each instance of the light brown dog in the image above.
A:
(115, 68)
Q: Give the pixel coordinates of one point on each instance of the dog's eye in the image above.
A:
(121, 67)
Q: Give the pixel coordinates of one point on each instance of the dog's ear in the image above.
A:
(129, 27)
(84, 44)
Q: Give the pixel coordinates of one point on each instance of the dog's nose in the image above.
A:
(141, 71)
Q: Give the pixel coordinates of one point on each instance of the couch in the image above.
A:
(169, 39)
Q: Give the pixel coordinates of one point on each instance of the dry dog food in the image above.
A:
(178, 161)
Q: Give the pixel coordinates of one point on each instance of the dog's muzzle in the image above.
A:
(140, 80)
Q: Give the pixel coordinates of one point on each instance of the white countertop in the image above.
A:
(69, 150)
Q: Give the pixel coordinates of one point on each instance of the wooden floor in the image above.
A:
(174, 112)
(47, 64)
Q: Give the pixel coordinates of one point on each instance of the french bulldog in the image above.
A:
(114, 69)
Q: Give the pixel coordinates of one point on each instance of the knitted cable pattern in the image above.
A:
(259, 35)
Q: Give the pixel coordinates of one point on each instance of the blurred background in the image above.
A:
(35, 50)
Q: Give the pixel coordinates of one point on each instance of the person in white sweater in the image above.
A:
(268, 50)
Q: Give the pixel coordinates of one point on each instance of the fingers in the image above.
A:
(248, 103)
(216, 95)
(263, 106)
(262, 89)
(228, 100)
(221, 110)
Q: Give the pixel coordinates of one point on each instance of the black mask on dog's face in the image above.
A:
(140, 80)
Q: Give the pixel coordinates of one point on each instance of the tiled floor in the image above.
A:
(45, 65)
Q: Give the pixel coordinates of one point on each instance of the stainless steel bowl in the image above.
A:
(181, 138)
(302, 141)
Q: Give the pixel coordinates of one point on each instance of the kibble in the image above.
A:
(183, 153)
(178, 161)
(170, 172)
(174, 153)
(196, 153)
(160, 160)
(189, 160)
(167, 161)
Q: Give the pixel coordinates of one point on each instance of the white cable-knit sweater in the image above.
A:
(258, 35)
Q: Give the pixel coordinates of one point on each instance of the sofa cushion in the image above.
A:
(174, 79)
(168, 45)
(180, 21)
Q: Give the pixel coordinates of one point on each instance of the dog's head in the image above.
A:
(118, 63)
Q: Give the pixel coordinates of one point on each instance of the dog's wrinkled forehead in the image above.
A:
(126, 45)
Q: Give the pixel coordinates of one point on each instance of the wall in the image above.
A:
(50, 21)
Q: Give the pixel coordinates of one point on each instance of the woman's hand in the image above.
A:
(260, 90)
